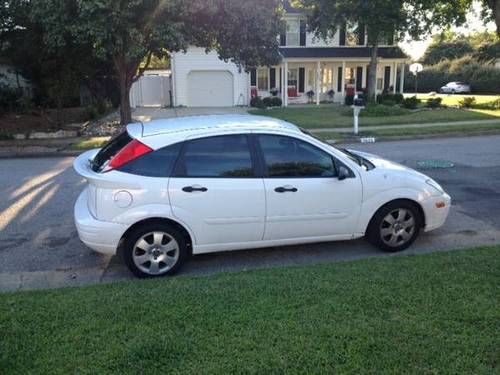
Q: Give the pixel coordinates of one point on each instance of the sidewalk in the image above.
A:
(403, 126)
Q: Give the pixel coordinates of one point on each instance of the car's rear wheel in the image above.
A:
(154, 250)
(395, 226)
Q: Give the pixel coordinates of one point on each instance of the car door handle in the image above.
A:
(284, 189)
(190, 189)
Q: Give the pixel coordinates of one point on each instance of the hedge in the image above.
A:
(483, 78)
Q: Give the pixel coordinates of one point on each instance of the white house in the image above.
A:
(329, 68)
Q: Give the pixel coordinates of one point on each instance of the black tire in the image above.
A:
(131, 252)
(379, 225)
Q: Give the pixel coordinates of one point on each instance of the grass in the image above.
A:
(435, 313)
(452, 100)
(330, 116)
(90, 143)
(463, 130)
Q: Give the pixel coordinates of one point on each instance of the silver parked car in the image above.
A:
(455, 87)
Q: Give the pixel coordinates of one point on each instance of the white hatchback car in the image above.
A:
(166, 189)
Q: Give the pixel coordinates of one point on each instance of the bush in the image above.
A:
(276, 102)
(9, 98)
(267, 102)
(467, 102)
(390, 99)
(411, 102)
(257, 102)
(349, 99)
(434, 102)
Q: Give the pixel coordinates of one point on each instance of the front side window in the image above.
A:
(221, 156)
(293, 77)
(290, 157)
(263, 79)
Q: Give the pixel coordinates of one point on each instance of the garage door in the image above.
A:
(210, 88)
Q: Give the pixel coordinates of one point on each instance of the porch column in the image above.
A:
(318, 82)
(365, 78)
(285, 84)
(402, 78)
(343, 81)
(282, 83)
(395, 74)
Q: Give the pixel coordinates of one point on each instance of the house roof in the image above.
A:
(346, 52)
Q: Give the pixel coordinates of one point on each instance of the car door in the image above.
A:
(304, 196)
(215, 191)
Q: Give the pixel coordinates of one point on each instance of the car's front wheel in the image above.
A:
(154, 250)
(395, 226)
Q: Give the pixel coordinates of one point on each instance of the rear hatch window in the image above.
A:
(109, 151)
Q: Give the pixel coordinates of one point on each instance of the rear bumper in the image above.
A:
(101, 236)
(436, 216)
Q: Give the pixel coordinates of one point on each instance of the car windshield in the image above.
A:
(358, 159)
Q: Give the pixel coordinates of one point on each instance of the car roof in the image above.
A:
(196, 124)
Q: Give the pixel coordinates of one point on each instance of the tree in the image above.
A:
(383, 20)
(131, 31)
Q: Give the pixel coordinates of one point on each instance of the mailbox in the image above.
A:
(359, 102)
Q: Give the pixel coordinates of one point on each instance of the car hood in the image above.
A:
(388, 165)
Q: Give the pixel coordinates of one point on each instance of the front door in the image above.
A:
(304, 196)
(215, 193)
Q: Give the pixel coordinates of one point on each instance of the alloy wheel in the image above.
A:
(397, 227)
(155, 252)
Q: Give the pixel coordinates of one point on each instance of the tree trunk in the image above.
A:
(372, 74)
(125, 111)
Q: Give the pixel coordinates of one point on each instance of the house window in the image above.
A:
(311, 79)
(349, 76)
(263, 79)
(326, 80)
(293, 77)
(292, 32)
(354, 34)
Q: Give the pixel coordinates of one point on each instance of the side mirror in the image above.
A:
(343, 173)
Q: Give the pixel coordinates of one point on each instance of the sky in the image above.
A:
(416, 49)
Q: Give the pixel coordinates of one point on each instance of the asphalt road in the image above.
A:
(39, 246)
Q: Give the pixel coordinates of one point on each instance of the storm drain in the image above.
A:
(434, 164)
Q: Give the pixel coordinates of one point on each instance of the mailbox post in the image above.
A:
(357, 105)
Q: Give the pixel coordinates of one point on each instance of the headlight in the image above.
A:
(437, 188)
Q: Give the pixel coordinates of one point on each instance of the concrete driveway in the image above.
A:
(39, 247)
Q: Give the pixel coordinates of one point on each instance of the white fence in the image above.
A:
(151, 90)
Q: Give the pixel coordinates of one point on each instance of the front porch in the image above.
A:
(300, 81)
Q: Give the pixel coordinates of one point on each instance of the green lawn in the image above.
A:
(452, 100)
(330, 116)
(462, 130)
(90, 143)
(435, 313)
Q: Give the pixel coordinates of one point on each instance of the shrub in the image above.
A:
(494, 104)
(331, 94)
(390, 99)
(467, 102)
(434, 102)
(9, 98)
(267, 101)
(411, 102)
(274, 91)
(349, 99)
(276, 102)
(256, 102)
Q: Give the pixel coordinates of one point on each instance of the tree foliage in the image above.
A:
(130, 32)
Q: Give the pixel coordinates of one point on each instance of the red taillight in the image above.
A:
(132, 151)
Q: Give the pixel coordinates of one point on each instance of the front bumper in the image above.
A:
(101, 236)
(435, 215)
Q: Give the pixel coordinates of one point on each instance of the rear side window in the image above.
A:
(159, 163)
(110, 150)
(221, 156)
